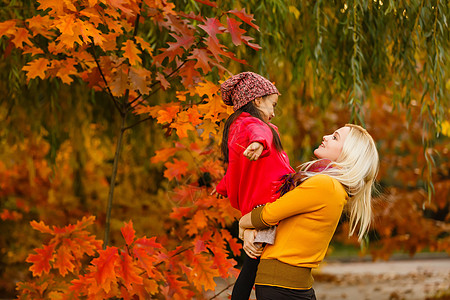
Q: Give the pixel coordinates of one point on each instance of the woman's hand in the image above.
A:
(253, 250)
(253, 151)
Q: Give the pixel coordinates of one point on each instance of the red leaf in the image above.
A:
(216, 48)
(105, 273)
(207, 2)
(213, 27)
(235, 31)
(176, 169)
(201, 55)
(162, 79)
(247, 18)
(184, 41)
(63, 261)
(128, 270)
(128, 233)
(41, 260)
(41, 227)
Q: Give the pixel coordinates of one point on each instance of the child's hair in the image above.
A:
(356, 169)
(254, 111)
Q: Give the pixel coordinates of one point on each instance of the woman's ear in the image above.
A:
(258, 101)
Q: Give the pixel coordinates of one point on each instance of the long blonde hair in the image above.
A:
(356, 169)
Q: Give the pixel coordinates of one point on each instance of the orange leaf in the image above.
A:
(162, 79)
(36, 68)
(7, 27)
(41, 260)
(105, 273)
(176, 169)
(182, 128)
(128, 270)
(41, 227)
(167, 114)
(203, 272)
(163, 155)
(64, 260)
(131, 52)
(179, 212)
(56, 6)
(128, 232)
(20, 37)
(139, 79)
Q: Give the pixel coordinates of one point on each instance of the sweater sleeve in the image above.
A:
(221, 188)
(261, 133)
(310, 196)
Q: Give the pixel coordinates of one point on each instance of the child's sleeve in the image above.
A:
(221, 188)
(261, 133)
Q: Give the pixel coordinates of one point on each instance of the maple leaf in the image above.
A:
(246, 40)
(105, 273)
(163, 154)
(179, 212)
(199, 246)
(213, 27)
(128, 271)
(201, 55)
(66, 24)
(63, 260)
(120, 81)
(207, 2)
(7, 28)
(182, 127)
(162, 79)
(216, 48)
(176, 287)
(194, 117)
(119, 4)
(208, 129)
(41, 260)
(128, 233)
(235, 31)
(185, 41)
(65, 69)
(56, 6)
(207, 88)
(131, 52)
(176, 169)
(20, 37)
(41, 227)
(189, 74)
(36, 68)
(247, 18)
(203, 272)
(167, 114)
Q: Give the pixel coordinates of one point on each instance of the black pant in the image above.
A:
(266, 292)
(246, 279)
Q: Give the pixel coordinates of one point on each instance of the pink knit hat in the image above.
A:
(245, 87)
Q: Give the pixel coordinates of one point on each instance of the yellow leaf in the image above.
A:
(131, 52)
(36, 68)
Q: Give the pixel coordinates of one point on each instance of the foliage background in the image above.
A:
(381, 64)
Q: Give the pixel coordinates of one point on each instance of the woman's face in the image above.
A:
(332, 144)
(267, 106)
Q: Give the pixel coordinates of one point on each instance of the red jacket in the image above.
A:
(250, 183)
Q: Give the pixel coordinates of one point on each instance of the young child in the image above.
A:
(252, 149)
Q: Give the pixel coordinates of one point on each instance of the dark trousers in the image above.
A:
(266, 292)
(246, 279)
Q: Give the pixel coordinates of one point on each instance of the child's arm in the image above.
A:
(253, 151)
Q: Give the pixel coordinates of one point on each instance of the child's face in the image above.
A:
(267, 106)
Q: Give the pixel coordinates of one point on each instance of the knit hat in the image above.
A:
(245, 87)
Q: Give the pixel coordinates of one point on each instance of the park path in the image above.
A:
(414, 279)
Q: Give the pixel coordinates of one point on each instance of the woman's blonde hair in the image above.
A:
(356, 169)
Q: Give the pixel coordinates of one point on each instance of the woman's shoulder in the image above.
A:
(326, 182)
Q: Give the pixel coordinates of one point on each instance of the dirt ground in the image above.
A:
(414, 279)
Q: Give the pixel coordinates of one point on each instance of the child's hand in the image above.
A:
(253, 151)
(215, 193)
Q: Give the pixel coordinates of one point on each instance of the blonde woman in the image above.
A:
(307, 216)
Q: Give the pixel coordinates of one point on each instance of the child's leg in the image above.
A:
(246, 279)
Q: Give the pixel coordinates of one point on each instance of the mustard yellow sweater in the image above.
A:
(307, 218)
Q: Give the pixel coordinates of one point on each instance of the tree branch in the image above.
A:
(104, 79)
(226, 288)
(138, 122)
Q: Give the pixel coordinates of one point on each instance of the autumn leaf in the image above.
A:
(176, 169)
(235, 31)
(64, 261)
(207, 2)
(201, 55)
(203, 272)
(139, 79)
(247, 18)
(179, 212)
(213, 27)
(216, 49)
(207, 88)
(41, 227)
(41, 260)
(162, 79)
(7, 28)
(36, 68)
(105, 273)
(128, 232)
(128, 271)
(131, 52)
(56, 6)
(119, 4)
(184, 41)
(168, 114)
(20, 37)
(163, 155)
